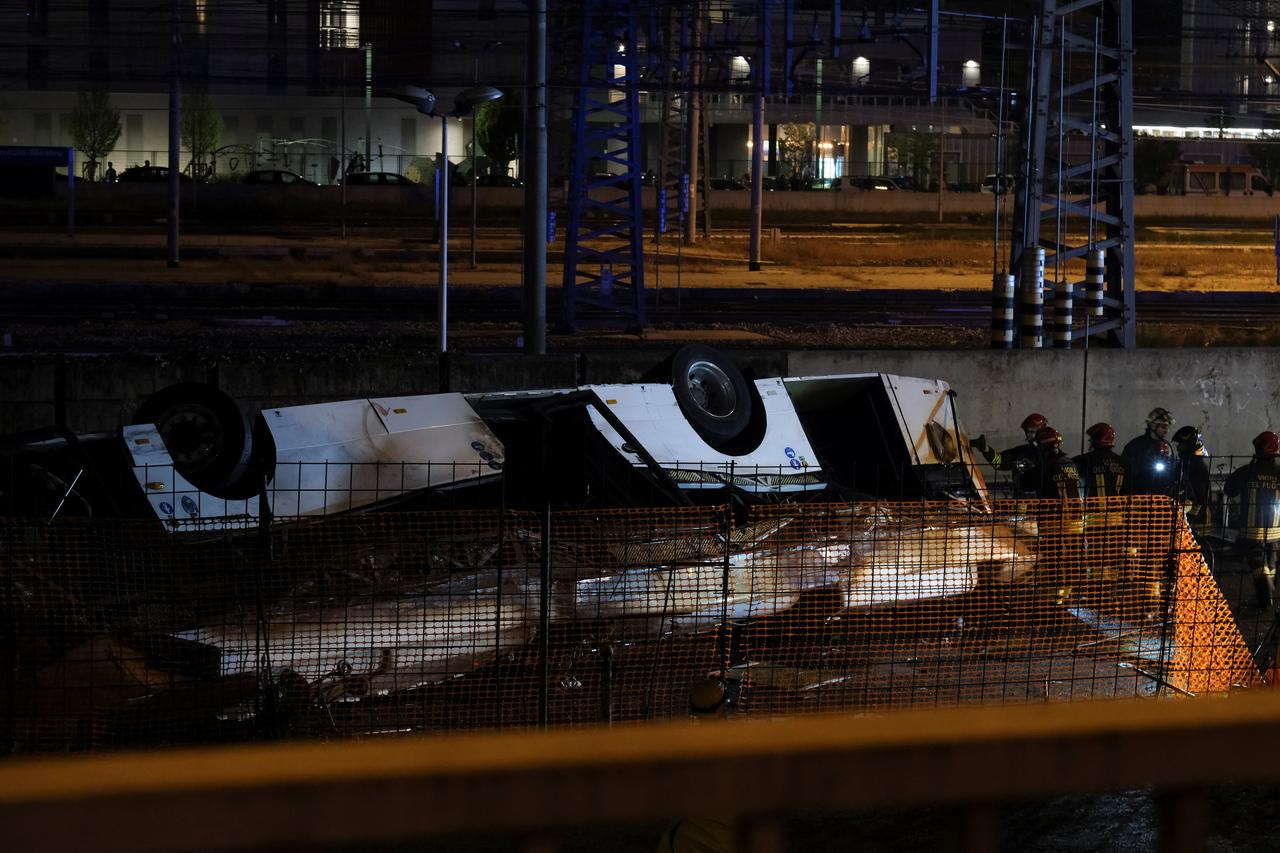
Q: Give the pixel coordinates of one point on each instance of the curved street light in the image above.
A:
(425, 102)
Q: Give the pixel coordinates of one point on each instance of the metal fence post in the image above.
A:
(269, 707)
(722, 649)
(497, 621)
(9, 647)
(606, 684)
(544, 620)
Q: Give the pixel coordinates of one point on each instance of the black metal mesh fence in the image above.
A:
(123, 634)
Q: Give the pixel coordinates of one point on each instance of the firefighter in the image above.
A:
(1105, 475)
(1104, 472)
(1022, 459)
(1257, 487)
(1193, 477)
(1150, 463)
(1154, 471)
(1058, 474)
(1060, 521)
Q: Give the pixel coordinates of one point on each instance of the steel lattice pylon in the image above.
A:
(673, 131)
(1079, 131)
(604, 239)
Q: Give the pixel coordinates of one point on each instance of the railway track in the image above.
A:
(248, 305)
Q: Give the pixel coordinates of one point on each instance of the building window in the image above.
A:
(971, 73)
(861, 71)
(339, 23)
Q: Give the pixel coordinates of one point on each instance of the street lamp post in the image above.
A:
(464, 104)
(475, 160)
(475, 151)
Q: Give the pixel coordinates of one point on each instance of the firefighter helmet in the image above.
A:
(1159, 416)
(1267, 444)
(1188, 438)
(1034, 422)
(1102, 434)
(1048, 437)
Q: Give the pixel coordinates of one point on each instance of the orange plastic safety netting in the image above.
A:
(127, 635)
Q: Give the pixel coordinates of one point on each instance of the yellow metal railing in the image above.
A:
(540, 785)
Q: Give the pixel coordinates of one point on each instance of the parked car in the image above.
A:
(994, 183)
(379, 179)
(498, 181)
(727, 183)
(874, 184)
(149, 175)
(277, 177)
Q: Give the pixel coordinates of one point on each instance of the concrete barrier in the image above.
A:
(1229, 393)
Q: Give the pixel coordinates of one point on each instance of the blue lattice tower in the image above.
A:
(672, 52)
(1075, 193)
(604, 235)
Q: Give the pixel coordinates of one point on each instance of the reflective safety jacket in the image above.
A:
(1150, 471)
(1257, 485)
(1104, 472)
(1059, 477)
(1062, 492)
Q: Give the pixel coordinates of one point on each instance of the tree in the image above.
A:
(914, 152)
(497, 129)
(201, 130)
(95, 127)
(1267, 156)
(795, 147)
(1153, 161)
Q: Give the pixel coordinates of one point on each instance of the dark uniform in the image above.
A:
(1193, 489)
(1105, 476)
(1058, 476)
(1151, 470)
(1020, 460)
(1104, 473)
(1023, 461)
(1257, 486)
(1060, 519)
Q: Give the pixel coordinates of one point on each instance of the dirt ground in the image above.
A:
(887, 257)
(1198, 258)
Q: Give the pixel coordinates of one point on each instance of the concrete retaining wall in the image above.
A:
(1230, 393)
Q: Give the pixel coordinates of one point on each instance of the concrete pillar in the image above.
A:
(733, 157)
(856, 158)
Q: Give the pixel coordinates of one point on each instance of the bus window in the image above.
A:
(1260, 185)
